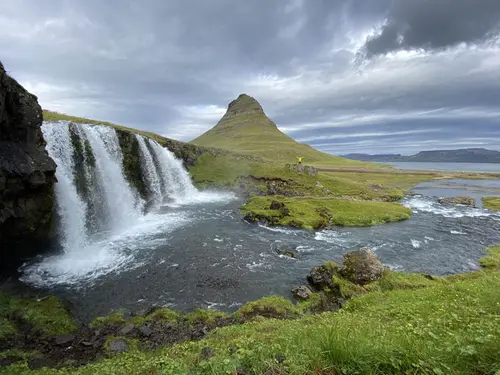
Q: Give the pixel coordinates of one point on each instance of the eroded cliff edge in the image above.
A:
(27, 173)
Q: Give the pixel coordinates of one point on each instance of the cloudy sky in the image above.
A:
(342, 75)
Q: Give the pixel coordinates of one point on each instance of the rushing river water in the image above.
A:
(186, 248)
(204, 255)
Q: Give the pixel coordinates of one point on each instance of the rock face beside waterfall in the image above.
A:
(27, 173)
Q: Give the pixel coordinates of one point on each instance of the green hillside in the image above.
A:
(246, 128)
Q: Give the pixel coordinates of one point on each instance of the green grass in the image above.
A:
(492, 259)
(491, 203)
(7, 328)
(115, 318)
(268, 307)
(315, 213)
(428, 327)
(232, 172)
(394, 180)
(46, 315)
(204, 316)
(401, 280)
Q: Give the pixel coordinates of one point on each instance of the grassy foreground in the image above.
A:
(408, 325)
(491, 203)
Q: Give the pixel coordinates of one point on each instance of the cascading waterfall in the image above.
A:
(175, 177)
(119, 197)
(150, 173)
(102, 223)
(70, 206)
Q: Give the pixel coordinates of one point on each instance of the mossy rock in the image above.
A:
(362, 267)
(345, 288)
(132, 162)
(268, 307)
(464, 201)
(204, 316)
(114, 319)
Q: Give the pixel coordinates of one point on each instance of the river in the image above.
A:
(460, 167)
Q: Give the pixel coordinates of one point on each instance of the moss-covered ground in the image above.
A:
(406, 324)
(46, 315)
(491, 203)
(316, 213)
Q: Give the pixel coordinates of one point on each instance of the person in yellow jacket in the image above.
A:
(299, 159)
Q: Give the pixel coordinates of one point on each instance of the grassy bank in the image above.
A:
(233, 172)
(316, 213)
(410, 324)
(491, 203)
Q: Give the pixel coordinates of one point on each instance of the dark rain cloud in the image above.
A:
(435, 24)
(172, 66)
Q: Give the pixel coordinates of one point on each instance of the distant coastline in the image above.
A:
(469, 155)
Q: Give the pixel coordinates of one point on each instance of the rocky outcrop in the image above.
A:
(465, 201)
(362, 267)
(27, 173)
(302, 292)
(187, 152)
(301, 168)
(132, 161)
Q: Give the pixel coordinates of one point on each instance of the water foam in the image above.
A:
(427, 204)
(333, 237)
(416, 244)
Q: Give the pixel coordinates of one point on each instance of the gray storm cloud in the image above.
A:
(435, 24)
(172, 66)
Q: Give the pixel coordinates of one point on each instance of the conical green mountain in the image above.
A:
(246, 128)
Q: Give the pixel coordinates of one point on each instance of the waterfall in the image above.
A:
(151, 174)
(71, 208)
(120, 199)
(175, 178)
(104, 222)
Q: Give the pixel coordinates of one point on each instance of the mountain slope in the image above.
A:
(246, 128)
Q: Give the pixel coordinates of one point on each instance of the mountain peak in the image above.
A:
(244, 105)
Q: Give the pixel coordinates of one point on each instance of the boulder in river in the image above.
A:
(362, 267)
(302, 292)
(465, 201)
(287, 253)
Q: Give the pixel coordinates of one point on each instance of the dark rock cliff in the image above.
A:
(27, 173)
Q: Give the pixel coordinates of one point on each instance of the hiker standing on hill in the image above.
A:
(299, 159)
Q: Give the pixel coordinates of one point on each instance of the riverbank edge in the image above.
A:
(45, 319)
